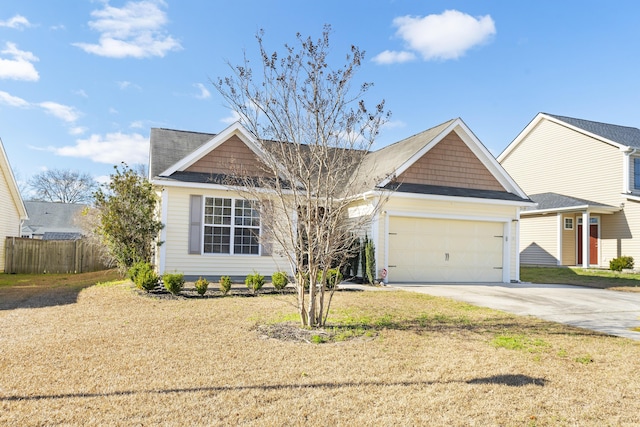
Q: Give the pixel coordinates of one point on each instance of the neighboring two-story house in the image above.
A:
(453, 218)
(579, 172)
(12, 210)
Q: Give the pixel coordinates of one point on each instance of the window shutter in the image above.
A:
(195, 224)
(266, 216)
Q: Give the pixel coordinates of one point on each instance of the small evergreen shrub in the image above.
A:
(279, 279)
(334, 276)
(254, 282)
(225, 284)
(145, 278)
(135, 270)
(620, 263)
(173, 282)
(201, 286)
(370, 257)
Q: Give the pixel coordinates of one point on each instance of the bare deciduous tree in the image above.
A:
(313, 132)
(63, 186)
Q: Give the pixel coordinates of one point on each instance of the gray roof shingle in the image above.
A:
(623, 135)
(550, 201)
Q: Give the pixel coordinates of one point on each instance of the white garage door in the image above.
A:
(438, 250)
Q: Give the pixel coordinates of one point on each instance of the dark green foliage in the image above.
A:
(620, 263)
(334, 277)
(279, 280)
(128, 224)
(370, 258)
(254, 282)
(173, 282)
(225, 284)
(351, 267)
(363, 258)
(201, 285)
(144, 277)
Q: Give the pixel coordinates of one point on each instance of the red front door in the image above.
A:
(593, 244)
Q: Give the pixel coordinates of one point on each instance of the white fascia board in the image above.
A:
(206, 186)
(234, 129)
(583, 208)
(475, 200)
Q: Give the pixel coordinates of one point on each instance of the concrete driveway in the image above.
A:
(611, 312)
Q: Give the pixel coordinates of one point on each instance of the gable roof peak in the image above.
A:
(619, 135)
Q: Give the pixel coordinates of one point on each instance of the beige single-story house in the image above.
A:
(451, 212)
(12, 210)
(579, 172)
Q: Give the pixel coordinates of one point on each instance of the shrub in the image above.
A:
(225, 284)
(334, 277)
(173, 282)
(144, 277)
(254, 282)
(370, 256)
(201, 285)
(279, 279)
(620, 263)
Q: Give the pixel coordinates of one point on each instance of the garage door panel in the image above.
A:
(438, 250)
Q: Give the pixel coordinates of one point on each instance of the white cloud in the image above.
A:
(232, 118)
(81, 92)
(204, 93)
(392, 57)
(112, 148)
(123, 85)
(63, 112)
(439, 37)
(19, 65)
(13, 101)
(137, 124)
(18, 22)
(77, 130)
(135, 30)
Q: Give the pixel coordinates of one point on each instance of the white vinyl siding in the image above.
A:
(176, 250)
(554, 158)
(9, 216)
(538, 240)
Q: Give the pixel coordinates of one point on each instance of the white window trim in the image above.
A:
(571, 219)
(232, 227)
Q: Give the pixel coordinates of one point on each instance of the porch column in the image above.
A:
(585, 239)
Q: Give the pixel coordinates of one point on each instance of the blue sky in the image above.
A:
(82, 85)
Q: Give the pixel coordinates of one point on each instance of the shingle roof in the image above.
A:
(550, 201)
(48, 216)
(53, 235)
(623, 135)
(168, 146)
(454, 191)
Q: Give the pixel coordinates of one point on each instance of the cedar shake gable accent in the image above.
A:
(232, 158)
(452, 164)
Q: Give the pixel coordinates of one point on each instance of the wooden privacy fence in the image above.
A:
(51, 256)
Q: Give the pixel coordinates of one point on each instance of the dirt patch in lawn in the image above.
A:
(115, 357)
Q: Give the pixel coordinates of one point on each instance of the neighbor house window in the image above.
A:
(231, 226)
(636, 173)
(568, 223)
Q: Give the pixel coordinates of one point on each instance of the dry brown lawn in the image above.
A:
(115, 357)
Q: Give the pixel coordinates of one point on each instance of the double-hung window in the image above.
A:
(636, 173)
(231, 226)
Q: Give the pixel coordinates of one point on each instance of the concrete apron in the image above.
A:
(611, 312)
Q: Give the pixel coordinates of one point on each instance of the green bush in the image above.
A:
(144, 277)
(254, 282)
(620, 263)
(370, 257)
(279, 279)
(225, 284)
(334, 277)
(173, 282)
(201, 285)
